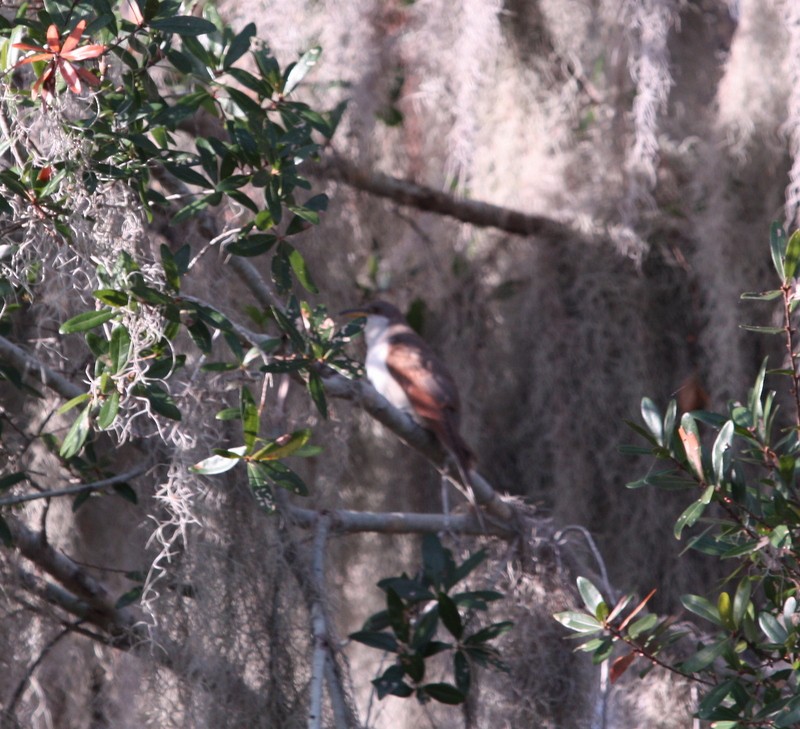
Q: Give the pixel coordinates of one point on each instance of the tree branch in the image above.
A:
(368, 398)
(22, 360)
(474, 212)
(77, 489)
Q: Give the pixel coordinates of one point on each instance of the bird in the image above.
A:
(403, 368)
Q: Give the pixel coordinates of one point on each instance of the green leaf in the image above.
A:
(77, 435)
(11, 479)
(741, 601)
(250, 418)
(448, 612)
(127, 492)
(108, 411)
(184, 25)
(298, 72)
(579, 622)
(444, 693)
(590, 594)
(239, 45)
(689, 517)
(130, 597)
(160, 401)
(391, 683)
(283, 446)
(762, 330)
(112, 297)
(495, 630)
(699, 605)
(642, 625)
(725, 609)
(705, 656)
(777, 246)
(317, 391)
(720, 454)
(218, 464)
(79, 399)
(119, 349)
(761, 295)
(652, 419)
(300, 269)
(87, 320)
(714, 698)
(381, 641)
(792, 256)
(772, 628)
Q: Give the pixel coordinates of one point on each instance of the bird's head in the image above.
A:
(375, 309)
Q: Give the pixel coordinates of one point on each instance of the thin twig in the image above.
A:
(17, 695)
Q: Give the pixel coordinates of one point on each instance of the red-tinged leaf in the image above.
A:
(68, 72)
(44, 174)
(35, 57)
(620, 665)
(53, 41)
(29, 47)
(691, 445)
(87, 76)
(637, 609)
(84, 52)
(73, 39)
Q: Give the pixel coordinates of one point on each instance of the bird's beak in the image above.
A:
(353, 313)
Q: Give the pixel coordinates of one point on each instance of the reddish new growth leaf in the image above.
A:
(60, 58)
(620, 665)
(692, 447)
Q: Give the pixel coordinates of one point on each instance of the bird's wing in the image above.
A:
(422, 375)
(431, 390)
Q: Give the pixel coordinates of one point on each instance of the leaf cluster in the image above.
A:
(740, 470)
(416, 608)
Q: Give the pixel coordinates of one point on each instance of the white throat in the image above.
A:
(376, 334)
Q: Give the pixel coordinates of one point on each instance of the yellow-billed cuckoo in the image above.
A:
(404, 369)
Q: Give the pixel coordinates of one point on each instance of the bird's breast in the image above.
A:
(382, 379)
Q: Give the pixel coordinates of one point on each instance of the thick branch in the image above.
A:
(478, 213)
(19, 358)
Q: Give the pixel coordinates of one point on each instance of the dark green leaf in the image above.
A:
(252, 245)
(317, 391)
(250, 418)
(6, 482)
(444, 693)
(187, 25)
(495, 630)
(448, 612)
(127, 492)
(111, 297)
(159, 400)
(705, 656)
(382, 641)
(6, 537)
(762, 330)
(689, 517)
(391, 683)
(130, 597)
(239, 45)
